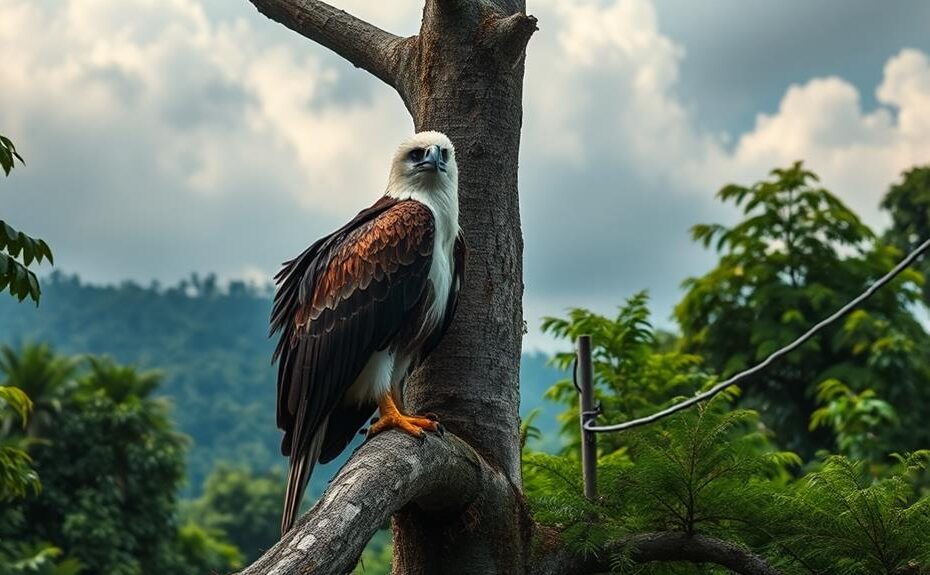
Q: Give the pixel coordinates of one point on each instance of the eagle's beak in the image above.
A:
(432, 160)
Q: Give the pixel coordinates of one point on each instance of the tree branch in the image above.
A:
(364, 45)
(648, 547)
(387, 473)
(508, 36)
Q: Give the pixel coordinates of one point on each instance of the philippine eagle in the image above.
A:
(361, 307)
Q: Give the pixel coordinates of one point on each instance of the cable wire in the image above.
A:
(902, 265)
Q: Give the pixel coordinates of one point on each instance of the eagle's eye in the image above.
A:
(416, 154)
(445, 154)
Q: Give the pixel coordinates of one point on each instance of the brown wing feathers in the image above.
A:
(337, 303)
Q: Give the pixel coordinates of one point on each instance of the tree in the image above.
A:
(111, 465)
(799, 254)
(908, 203)
(44, 376)
(633, 375)
(17, 477)
(462, 75)
(245, 507)
(15, 276)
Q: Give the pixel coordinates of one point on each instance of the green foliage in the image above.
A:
(710, 470)
(857, 419)
(243, 506)
(376, 558)
(840, 520)
(798, 255)
(8, 155)
(528, 431)
(210, 346)
(111, 464)
(201, 551)
(43, 376)
(17, 477)
(908, 203)
(36, 560)
(15, 276)
(634, 374)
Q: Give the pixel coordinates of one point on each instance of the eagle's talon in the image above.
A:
(413, 425)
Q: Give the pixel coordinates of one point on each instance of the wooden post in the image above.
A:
(588, 438)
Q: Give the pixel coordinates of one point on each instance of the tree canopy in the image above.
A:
(799, 254)
(110, 464)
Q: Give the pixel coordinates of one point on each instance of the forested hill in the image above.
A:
(211, 345)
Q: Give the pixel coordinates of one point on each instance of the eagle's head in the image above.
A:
(425, 162)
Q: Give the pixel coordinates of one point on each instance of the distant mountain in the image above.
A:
(211, 345)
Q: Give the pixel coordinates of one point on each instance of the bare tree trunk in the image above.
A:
(462, 75)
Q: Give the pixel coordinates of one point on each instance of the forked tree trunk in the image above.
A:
(457, 499)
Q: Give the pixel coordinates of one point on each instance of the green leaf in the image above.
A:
(7, 153)
(18, 280)
(6, 160)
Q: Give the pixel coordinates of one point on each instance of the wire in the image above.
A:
(772, 357)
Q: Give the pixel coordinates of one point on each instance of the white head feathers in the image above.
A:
(424, 169)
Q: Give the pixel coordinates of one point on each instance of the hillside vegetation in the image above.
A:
(211, 346)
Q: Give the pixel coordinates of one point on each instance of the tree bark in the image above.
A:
(649, 547)
(442, 480)
(461, 75)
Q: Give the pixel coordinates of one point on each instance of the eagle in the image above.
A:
(362, 307)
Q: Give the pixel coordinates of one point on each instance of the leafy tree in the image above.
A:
(857, 420)
(15, 276)
(799, 254)
(709, 471)
(635, 371)
(712, 472)
(36, 560)
(17, 477)
(17, 480)
(44, 376)
(201, 551)
(840, 520)
(908, 203)
(111, 465)
(245, 507)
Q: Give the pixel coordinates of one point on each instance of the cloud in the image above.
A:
(167, 141)
(858, 153)
(165, 136)
(617, 167)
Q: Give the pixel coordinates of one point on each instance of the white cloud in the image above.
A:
(174, 120)
(174, 135)
(604, 113)
(857, 153)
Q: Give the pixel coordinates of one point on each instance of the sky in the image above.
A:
(164, 137)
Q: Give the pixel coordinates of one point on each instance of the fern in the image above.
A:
(841, 520)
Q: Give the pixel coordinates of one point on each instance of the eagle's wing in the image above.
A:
(339, 302)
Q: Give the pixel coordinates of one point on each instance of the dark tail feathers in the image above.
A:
(298, 474)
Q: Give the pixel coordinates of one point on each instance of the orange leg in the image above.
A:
(392, 418)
